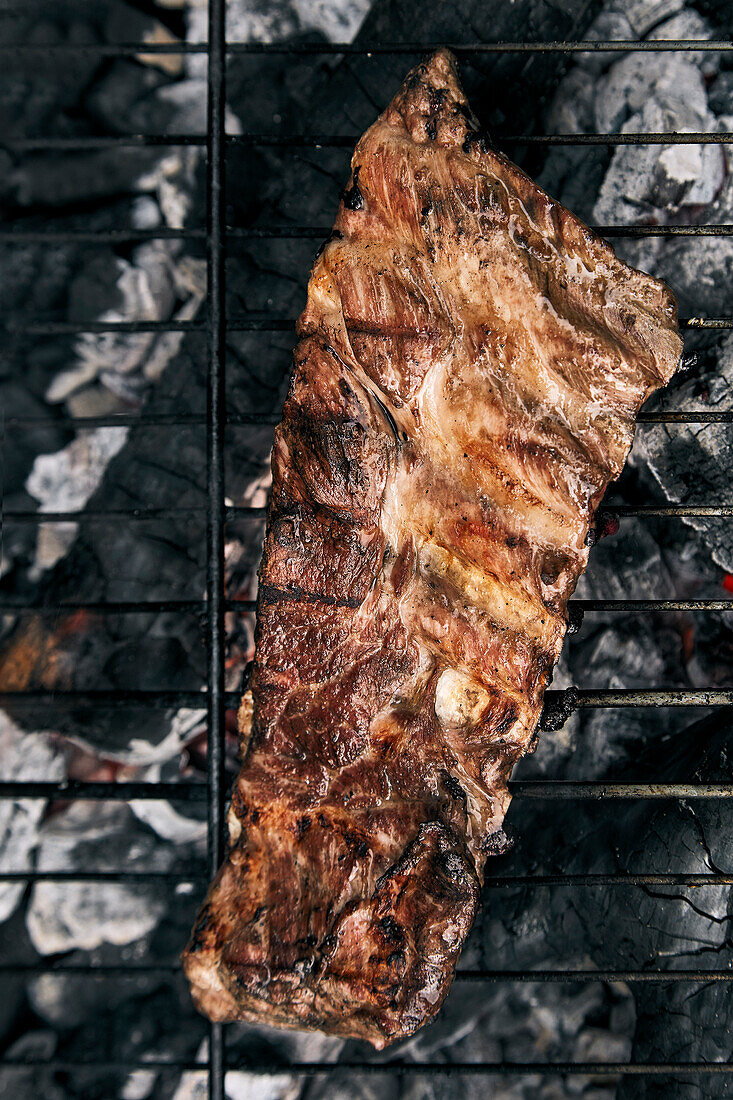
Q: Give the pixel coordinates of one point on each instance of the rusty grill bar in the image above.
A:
(215, 699)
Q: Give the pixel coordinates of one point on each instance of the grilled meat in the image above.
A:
(470, 362)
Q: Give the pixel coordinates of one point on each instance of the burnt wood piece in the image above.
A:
(470, 363)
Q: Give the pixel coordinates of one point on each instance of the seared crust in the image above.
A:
(470, 364)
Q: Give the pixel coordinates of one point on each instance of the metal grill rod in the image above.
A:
(347, 141)
(582, 46)
(240, 420)
(399, 1069)
(498, 882)
(501, 1069)
(246, 606)
(258, 324)
(541, 977)
(315, 232)
(567, 699)
(215, 428)
(542, 789)
(16, 515)
(165, 878)
(98, 236)
(103, 49)
(322, 232)
(130, 49)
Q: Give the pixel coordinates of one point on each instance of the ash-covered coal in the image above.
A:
(688, 461)
(660, 185)
(64, 916)
(646, 928)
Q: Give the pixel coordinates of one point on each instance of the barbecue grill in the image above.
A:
(215, 326)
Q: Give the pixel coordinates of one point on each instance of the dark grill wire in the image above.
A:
(215, 429)
(215, 698)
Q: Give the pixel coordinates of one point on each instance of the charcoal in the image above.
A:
(68, 1000)
(27, 1084)
(720, 95)
(15, 950)
(158, 1025)
(645, 927)
(121, 100)
(38, 98)
(520, 928)
(16, 400)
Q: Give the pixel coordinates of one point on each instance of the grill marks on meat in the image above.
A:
(470, 363)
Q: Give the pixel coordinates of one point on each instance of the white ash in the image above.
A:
(63, 916)
(147, 287)
(257, 492)
(530, 1022)
(168, 186)
(171, 821)
(543, 1024)
(145, 291)
(189, 98)
(194, 1085)
(295, 1046)
(253, 21)
(644, 94)
(701, 269)
(23, 756)
(611, 25)
(65, 481)
(622, 657)
(185, 725)
(645, 14)
(139, 1085)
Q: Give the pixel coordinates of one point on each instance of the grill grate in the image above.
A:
(215, 699)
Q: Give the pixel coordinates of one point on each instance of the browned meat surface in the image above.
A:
(470, 363)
